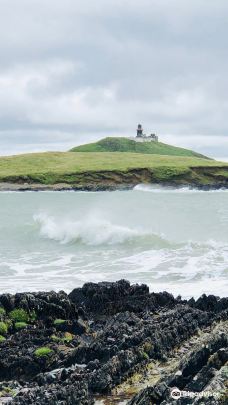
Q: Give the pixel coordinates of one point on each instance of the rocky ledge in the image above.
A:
(199, 177)
(112, 343)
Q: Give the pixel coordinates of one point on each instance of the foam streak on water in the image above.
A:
(174, 240)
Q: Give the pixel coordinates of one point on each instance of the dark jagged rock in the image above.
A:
(46, 305)
(210, 303)
(109, 298)
(55, 394)
(201, 376)
(74, 346)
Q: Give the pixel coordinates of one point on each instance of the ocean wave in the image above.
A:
(162, 189)
(191, 261)
(92, 231)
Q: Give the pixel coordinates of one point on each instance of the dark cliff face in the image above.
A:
(199, 177)
(64, 349)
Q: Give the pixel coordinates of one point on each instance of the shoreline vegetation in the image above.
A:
(107, 171)
(112, 164)
(111, 342)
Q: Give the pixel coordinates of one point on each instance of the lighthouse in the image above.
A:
(141, 137)
(139, 131)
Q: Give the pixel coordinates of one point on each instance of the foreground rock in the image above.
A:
(67, 349)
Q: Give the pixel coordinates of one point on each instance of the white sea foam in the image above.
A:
(162, 189)
(90, 231)
(187, 259)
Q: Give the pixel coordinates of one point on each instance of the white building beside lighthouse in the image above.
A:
(141, 137)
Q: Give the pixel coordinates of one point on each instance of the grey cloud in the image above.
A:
(83, 69)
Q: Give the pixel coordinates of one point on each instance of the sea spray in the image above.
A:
(90, 231)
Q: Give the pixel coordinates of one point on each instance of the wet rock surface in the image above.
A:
(199, 377)
(67, 349)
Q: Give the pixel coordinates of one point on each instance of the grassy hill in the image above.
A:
(98, 170)
(129, 145)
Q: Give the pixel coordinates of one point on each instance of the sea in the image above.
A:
(173, 240)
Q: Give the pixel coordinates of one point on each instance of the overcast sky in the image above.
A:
(75, 71)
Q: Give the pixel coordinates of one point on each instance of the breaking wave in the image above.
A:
(91, 231)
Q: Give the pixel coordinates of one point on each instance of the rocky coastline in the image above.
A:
(14, 187)
(201, 177)
(112, 343)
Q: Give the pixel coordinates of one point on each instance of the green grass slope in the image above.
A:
(74, 168)
(129, 145)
